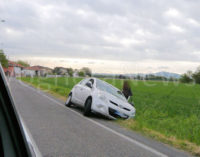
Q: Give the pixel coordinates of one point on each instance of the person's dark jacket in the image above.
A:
(127, 93)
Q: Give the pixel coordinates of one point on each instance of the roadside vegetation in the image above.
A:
(167, 111)
(3, 59)
(191, 77)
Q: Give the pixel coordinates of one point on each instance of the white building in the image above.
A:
(28, 72)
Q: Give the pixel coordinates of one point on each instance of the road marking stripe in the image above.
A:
(99, 124)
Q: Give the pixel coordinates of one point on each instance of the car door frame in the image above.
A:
(86, 91)
(77, 92)
(14, 137)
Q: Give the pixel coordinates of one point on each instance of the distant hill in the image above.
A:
(161, 73)
(167, 74)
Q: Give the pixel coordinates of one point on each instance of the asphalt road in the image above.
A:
(65, 132)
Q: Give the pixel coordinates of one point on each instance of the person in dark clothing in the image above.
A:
(127, 90)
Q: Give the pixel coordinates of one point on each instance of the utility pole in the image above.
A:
(2, 21)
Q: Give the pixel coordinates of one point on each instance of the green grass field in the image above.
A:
(171, 109)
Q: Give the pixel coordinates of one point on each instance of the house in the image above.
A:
(38, 70)
(14, 69)
(42, 71)
(9, 71)
(28, 72)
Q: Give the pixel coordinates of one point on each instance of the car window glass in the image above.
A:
(83, 82)
(91, 81)
(103, 86)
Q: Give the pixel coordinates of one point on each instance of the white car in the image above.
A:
(95, 95)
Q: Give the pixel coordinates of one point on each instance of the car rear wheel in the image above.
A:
(68, 102)
(87, 109)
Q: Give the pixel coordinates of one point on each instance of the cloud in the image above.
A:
(131, 31)
(193, 22)
(175, 28)
(126, 42)
(91, 62)
(163, 67)
(172, 12)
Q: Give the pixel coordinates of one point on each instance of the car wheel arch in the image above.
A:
(87, 107)
(70, 94)
(89, 97)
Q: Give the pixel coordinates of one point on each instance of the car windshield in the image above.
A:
(103, 86)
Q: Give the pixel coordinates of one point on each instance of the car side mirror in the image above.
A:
(89, 84)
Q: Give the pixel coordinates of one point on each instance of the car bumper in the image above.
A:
(116, 114)
(111, 111)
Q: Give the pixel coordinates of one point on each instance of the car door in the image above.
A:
(86, 91)
(78, 90)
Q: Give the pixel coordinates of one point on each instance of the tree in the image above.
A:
(81, 74)
(87, 71)
(121, 77)
(60, 70)
(70, 71)
(138, 77)
(187, 77)
(3, 59)
(23, 63)
(56, 70)
(171, 79)
(196, 76)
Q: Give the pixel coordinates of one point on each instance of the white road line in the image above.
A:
(99, 124)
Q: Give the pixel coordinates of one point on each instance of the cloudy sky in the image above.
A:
(111, 36)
